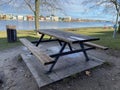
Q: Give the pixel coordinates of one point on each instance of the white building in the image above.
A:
(14, 17)
(25, 18)
(55, 18)
(67, 18)
(48, 18)
(20, 17)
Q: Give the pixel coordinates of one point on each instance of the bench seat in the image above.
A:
(95, 45)
(44, 58)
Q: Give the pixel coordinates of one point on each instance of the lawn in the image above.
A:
(105, 35)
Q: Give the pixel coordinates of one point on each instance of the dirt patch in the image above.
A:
(16, 76)
(115, 53)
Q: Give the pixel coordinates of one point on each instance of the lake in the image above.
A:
(29, 25)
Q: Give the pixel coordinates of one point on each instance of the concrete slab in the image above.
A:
(66, 66)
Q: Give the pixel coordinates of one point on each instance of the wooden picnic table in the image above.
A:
(66, 38)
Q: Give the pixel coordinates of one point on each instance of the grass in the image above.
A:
(105, 35)
(31, 35)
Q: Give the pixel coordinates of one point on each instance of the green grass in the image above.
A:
(105, 36)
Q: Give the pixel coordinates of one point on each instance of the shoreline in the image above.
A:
(24, 25)
(108, 27)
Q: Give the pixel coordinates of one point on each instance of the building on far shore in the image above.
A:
(5, 17)
(25, 18)
(11, 16)
(67, 19)
(52, 18)
(1, 16)
(20, 17)
(30, 17)
(48, 18)
(14, 17)
(42, 18)
(55, 18)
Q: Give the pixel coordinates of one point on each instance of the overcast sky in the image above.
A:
(74, 9)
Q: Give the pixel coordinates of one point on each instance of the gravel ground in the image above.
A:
(14, 75)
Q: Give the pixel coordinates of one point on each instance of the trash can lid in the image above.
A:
(10, 26)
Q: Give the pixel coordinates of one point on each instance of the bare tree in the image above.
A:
(48, 5)
(109, 6)
(32, 4)
(35, 5)
(5, 2)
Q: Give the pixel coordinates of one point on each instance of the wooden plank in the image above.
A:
(44, 58)
(95, 45)
(67, 36)
(67, 66)
(34, 66)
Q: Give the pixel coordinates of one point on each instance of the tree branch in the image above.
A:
(5, 2)
(27, 2)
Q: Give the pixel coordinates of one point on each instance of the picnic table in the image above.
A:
(66, 39)
(66, 45)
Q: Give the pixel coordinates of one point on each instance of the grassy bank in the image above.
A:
(105, 35)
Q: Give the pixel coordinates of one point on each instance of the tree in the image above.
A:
(35, 5)
(109, 6)
(5, 2)
(48, 4)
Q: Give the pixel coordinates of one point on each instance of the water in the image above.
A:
(29, 25)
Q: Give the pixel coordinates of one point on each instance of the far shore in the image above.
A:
(104, 27)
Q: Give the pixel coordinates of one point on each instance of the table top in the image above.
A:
(67, 36)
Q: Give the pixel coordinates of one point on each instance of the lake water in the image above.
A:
(29, 25)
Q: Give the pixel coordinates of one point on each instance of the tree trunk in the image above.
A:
(36, 13)
(119, 27)
(116, 23)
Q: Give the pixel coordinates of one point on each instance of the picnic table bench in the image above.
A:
(64, 39)
(96, 45)
(44, 58)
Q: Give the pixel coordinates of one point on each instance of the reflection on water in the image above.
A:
(29, 25)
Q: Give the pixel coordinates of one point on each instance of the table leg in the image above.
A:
(41, 37)
(84, 51)
(56, 59)
(70, 47)
(60, 42)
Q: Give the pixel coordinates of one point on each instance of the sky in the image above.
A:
(74, 9)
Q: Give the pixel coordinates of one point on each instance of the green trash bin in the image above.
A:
(11, 33)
